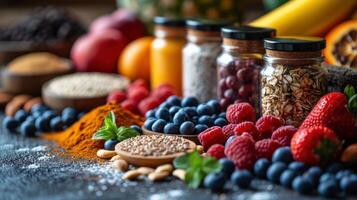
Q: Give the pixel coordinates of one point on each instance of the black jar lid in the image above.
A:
(169, 21)
(295, 43)
(207, 25)
(247, 32)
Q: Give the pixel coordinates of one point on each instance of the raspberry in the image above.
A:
(211, 136)
(139, 93)
(266, 125)
(240, 112)
(247, 127)
(245, 134)
(228, 130)
(116, 97)
(265, 148)
(148, 104)
(242, 152)
(138, 83)
(216, 151)
(129, 105)
(163, 92)
(284, 134)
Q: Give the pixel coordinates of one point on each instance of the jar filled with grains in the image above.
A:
(293, 79)
(240, 63)
(166, 53)
(199, 58)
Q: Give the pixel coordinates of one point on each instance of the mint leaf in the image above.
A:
(210, 165)
(195, 159)
(109, 122)
(103, 135)
(108, 129)
(124, 133)
(193, 178)
(182, 162)
(349, 91)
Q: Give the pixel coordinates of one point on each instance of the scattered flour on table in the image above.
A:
(40, 148)
(32, 166)
(167, 195)
(6, 146)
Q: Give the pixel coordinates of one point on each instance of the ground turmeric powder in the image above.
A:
(77, 139)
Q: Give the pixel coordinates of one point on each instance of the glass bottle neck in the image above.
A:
(169, 32)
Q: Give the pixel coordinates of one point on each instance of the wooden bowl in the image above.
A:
(193, 138)
(17, 83)
(151, 161)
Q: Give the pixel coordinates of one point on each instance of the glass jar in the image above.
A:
(166, 53)
(240, 63)
(293, 79)
(199, 59)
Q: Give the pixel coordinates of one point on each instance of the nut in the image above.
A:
(158, 176)
(164, 168)
(349, 155)
(179, 173)
(117, 157)
(121, 165)
(15, 104)
(200, 149)
(131, 175)
(102, 153)
(145, 170)
(204, 155)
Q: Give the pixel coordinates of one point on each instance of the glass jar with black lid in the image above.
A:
(293, 79)
(240, 63)
(199, 58)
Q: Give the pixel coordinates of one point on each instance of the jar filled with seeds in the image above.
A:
(293, 79)
(240, 63)
(199, 58)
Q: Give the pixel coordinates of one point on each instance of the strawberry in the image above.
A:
(315, 145)
(336, 111)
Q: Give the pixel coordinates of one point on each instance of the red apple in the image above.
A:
(98, 51)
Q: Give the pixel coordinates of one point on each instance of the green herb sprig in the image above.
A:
(197, 167)
(110, 130)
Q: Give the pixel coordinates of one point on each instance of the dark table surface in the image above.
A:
(29, 170)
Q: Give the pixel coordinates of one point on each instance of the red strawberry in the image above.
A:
(211, 136)
(284, 134)
(334, 111)
(240, 112)
(228, 130)
(242, 152)
(216, 151)
(315, 145)
(247, 127)
(265, 148)
(267, 124)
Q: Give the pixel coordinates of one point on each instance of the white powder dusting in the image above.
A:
(33, 166)
(6, 146)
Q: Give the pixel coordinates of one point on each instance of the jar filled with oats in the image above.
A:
(240, 64)
(293, 79)
(199, 58)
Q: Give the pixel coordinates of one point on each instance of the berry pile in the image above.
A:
(40, 119)
(185, 116)
(138, 98)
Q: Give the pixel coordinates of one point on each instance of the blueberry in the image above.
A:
(166, 105)
(297, 166)
(137, 128)
(68, 119)
(189, 102)
(110, 144)
(148, 124)
(220, 122)
(190, 111)
(205, 119)
(214, 181)
(242, 178)
(229, 140)
(349, 185)
(227, 167)
(173, 110)
(80, 115)
(275, 170)
(302, 185)
(328, 189)
(30, 119)
(261, 167)
(287, 177)
(334, 168)
(159, 125)
(180, 117)
(314, 173)
(327, 177)
(10, 123)
(223, 115)
(215, 105)
(27, 129)
(187, 128)
(194, 119)
(174, 100)
(39, 108)
(171, 128)
(37, 114)
(282, 154)
(21, 115)
(343, 173)
(69, 111)
(200, 128)
(49, 114)
(203, 109)
(56, 124)
(150, 113)
(42, 124)
(163, 113)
